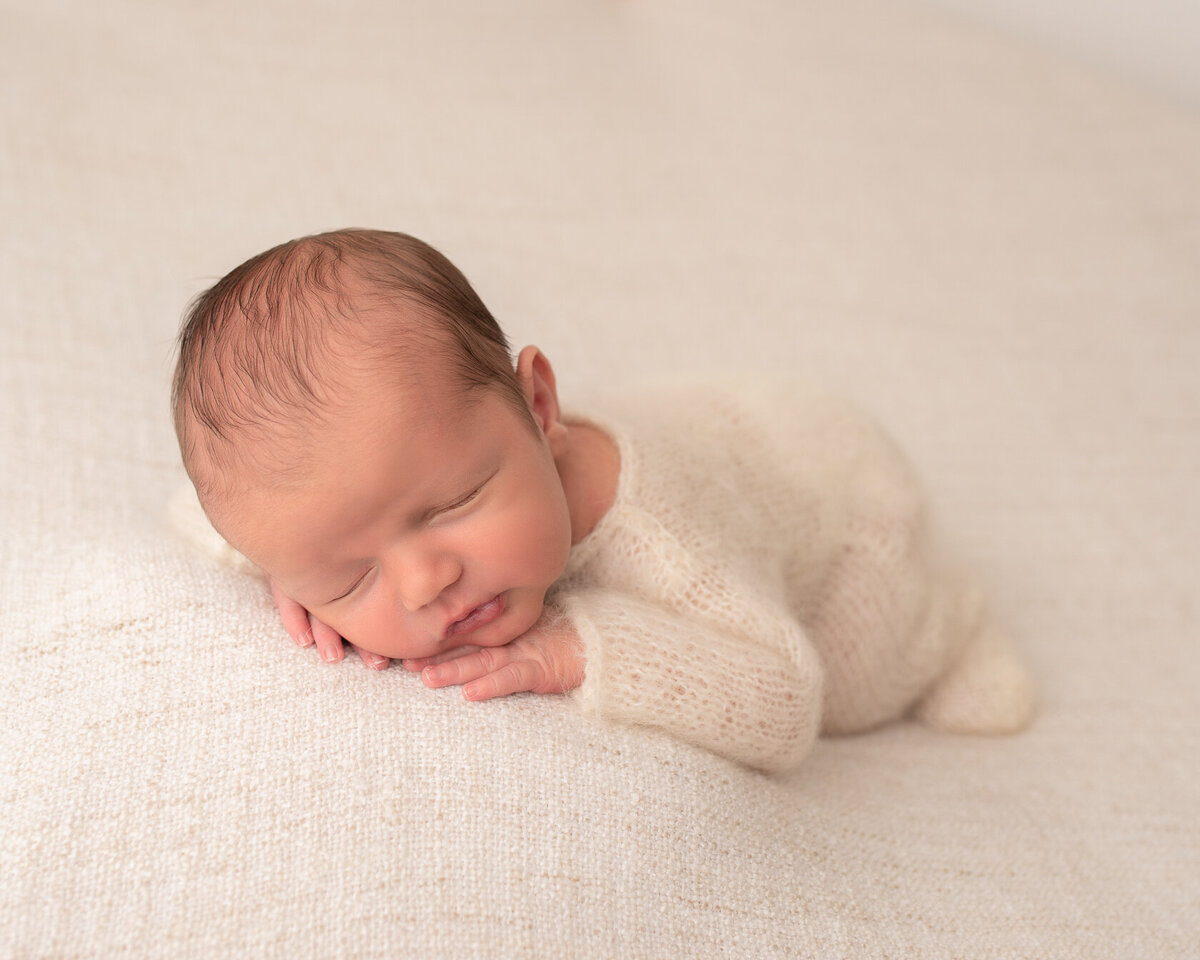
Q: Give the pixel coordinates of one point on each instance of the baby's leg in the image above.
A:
(987, 690)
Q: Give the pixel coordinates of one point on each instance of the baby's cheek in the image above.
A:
(533, 551)
(368, 628)
(545, 537)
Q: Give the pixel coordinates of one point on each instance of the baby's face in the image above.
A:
(423, 526)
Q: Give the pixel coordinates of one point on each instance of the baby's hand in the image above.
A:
(305, 630)
(547, 658)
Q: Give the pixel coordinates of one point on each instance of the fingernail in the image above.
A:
(304, 639)
(331, 655)
(432, 674)
(375, 662)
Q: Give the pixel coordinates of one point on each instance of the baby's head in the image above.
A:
(351, 417)
(265, 351)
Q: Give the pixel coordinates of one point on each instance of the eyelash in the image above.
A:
(462, 501)
(349, 590)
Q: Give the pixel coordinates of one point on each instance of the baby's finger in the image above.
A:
(417, 664)
(294, 617)
(514, 677)
(463, 669)
(329, 641)
(371, 660)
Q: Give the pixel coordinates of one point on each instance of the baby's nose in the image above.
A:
(422, 583)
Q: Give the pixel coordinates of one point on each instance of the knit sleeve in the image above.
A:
(758, 704)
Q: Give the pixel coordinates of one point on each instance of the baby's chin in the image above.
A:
(520, 615)
(514, 622)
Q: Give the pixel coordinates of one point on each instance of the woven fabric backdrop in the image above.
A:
(996, 251)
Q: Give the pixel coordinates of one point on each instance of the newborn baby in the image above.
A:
(745, 569)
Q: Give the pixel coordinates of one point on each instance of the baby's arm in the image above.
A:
(753, 694)
(637, 663)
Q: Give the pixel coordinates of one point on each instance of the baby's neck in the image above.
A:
(589, 469)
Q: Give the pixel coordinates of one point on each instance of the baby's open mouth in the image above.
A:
(481, 616)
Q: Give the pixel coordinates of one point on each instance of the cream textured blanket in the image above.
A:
(992, 250)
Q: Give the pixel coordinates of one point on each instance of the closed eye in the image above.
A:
(461, 501)
(350, 589)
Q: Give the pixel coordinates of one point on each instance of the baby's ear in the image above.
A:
(538, 386)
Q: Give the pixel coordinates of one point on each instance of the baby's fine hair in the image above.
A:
(265, 346)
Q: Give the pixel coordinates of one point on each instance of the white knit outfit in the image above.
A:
(765, 574)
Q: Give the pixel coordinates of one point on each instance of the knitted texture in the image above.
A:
(766, 573)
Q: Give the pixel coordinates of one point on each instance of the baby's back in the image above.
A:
(767, 477)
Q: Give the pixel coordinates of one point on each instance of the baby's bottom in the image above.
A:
(896, 634)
